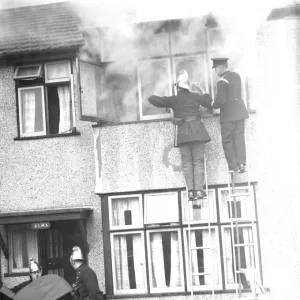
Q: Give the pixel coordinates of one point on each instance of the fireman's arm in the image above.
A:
(161, 101)
(222, 93)
(206, 100)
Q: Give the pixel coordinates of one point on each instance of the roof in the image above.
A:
(50, 214)
(47, 27)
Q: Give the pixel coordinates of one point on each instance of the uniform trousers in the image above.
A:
(192, 156)
(233, 141)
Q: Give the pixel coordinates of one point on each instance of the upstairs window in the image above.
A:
(45, 98)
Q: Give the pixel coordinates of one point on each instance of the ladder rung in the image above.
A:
(201, 274)
(239, 195)
(200, 248)
(243, 245)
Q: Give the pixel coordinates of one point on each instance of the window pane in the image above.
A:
(243, 255)
(197, 71)
(128, 262)
(165, 260)
(28, 71)
(32, 115)
(204, 260)
(118, 99)
(155, 78)
(202, 210)
(167, 202)
(244, 208)
(126, 211)
(188, 38)
(24, 246)
(57, 71)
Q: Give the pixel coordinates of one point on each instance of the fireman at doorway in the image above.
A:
(191, 134)
(86, 286)
(233, 113)
(35, 272)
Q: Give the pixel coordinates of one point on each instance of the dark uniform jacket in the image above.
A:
(229, 98)
(87, 282)
(186, 107)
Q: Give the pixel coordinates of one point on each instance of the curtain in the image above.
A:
(126, 210)
(228, 256)
(28, 111)
(17, 249)
(65, 108)
(249, 250)
(32, 247)
(126, 276)
(165, 259)
(204, 260)
(24, 247)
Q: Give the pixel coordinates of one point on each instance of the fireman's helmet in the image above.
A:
(34, 266)
(76, 254)
(183, 79)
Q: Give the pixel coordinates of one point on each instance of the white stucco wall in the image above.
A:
(132, 157)
(47, 173)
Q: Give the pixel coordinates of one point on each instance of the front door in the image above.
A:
(56, 246)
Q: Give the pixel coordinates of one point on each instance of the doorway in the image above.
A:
(55, 248)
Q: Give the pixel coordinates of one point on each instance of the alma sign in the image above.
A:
(40, 225)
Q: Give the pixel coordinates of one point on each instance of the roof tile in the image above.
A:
(36, 28)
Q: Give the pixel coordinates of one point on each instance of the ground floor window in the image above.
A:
(147, 241)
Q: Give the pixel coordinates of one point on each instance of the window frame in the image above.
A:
(217, 224)
(22, 134)
(255, 251)
(218, 252)
(27, 84)
(11, 229)
(139, 89)
(38, 74)
(114, 277)
(165, 290)
(63, 79)
(126, 227)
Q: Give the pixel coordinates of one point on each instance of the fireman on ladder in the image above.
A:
(191, 135)
(86, 286)
(233, 113)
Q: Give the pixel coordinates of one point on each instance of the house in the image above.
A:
(115, 186)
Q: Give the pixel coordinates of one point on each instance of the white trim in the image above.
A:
(185, 201)
(256, 254)
(207, 287)
(72, 101)
(110, 198)
(22, 134)
(58, 79)
(140, 98)
(147, 197)
(38, 74)
(248, 201)
(127, 291)
(167, 289)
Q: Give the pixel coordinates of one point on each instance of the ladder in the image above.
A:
(250, 272)
(197, 248)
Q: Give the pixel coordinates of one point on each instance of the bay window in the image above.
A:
(149, 242)
(131, 66)
(45, 98)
